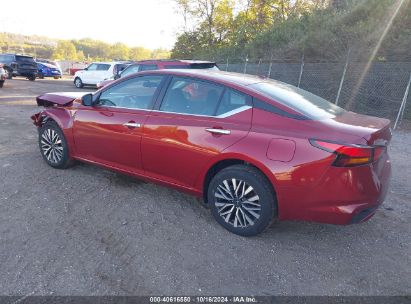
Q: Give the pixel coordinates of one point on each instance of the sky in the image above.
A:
(148, 23)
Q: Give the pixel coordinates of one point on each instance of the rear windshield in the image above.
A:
(172, 67)
(210, 65)
(306, 103)
(24, 58)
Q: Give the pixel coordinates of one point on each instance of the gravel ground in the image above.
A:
(89, 231)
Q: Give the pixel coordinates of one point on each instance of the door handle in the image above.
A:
(218, 131)
(132, 125)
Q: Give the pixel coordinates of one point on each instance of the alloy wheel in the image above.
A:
(237, 203)
(52, 146)
(78, 83)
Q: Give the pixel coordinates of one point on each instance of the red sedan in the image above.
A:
(255, 149)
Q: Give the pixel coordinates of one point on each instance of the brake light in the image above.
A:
(349, 155)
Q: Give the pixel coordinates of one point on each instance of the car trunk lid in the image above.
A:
(376, 131)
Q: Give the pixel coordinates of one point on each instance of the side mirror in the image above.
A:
(117, 76)
(85, 69)
(87, 100)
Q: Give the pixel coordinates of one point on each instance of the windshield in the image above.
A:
(306, 103)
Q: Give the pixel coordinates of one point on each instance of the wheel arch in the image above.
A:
(64, 121)
(59, 115)
(229, 160)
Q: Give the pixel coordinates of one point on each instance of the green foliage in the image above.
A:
(65, 50)
(321, 29)
(85, 49)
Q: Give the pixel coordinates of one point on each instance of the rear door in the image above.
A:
(195, 121)
(110, 132)
(101, 73)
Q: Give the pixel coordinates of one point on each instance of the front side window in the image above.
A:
(130, 70)
(191, 96)
(135, 93)
(148, 67)
(92, 67)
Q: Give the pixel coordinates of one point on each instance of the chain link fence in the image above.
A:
(375, 88)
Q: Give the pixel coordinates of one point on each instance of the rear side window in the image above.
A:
(306, 103)
(191, 96)
(148, 67)
(103, 67)
(232, 100)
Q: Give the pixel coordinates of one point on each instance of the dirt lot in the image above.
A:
(89, 231)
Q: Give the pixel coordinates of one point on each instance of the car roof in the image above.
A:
(108, 62)
(213, 75)
(172, 61)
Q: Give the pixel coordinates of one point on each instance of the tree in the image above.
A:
(65, 50)
(139, 53)
(119, 51)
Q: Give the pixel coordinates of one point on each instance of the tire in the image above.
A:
(78, 83)
(53, 146)
(1, 84)
(32, 77)
(41, 76)
(56, 77)
(251, 209)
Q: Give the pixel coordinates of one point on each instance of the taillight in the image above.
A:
(349, 155)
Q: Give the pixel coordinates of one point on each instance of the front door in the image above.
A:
(196, 121)
(110, 132)
(88, 74)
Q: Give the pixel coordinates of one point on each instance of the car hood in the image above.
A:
(58, 98)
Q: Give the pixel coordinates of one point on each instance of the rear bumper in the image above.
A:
(343, 195)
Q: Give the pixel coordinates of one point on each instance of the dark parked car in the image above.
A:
(19, 65)
(254, 149)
